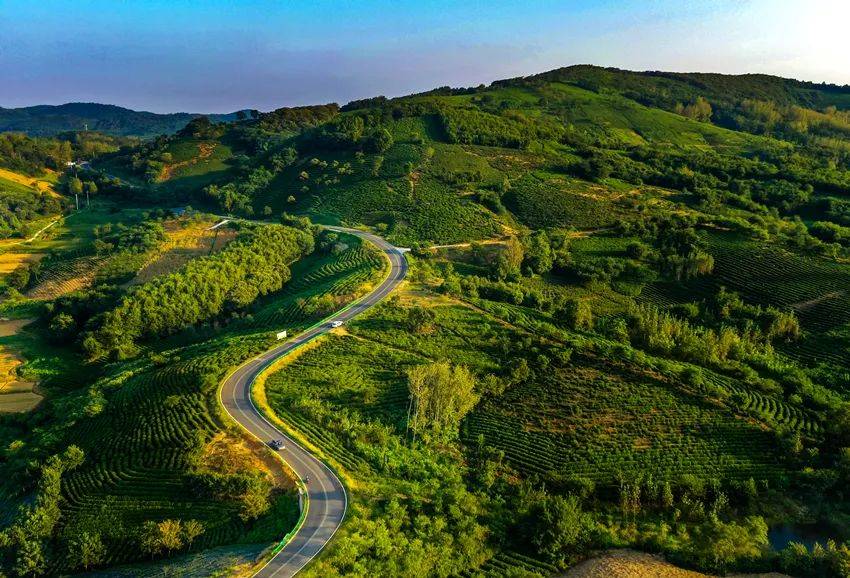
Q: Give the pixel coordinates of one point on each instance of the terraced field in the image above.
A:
(340, 277)
(65, 276)
(138, 448)
(769, 275)
(766, 407)
(596, 422)
(513, 564)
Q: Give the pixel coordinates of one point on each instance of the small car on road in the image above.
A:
(276, 445)
(336, 323)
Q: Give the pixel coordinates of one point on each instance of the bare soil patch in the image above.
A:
(631, 564)
(16, 395)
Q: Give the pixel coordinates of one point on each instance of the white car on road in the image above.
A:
(336, 323)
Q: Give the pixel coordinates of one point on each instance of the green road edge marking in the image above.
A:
(303, 515)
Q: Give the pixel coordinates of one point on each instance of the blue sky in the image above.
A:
(219, 56)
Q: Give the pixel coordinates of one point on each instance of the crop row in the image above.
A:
(512, 564)
(772, 409)
(63, 277)
(596, 423)
(340, 275)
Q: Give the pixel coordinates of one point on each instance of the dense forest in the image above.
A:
(625, 326)
(47, 120)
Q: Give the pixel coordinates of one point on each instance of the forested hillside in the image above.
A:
(626, 324)
(49, 120)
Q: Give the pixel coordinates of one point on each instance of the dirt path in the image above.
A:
(804, 305)
(36, 234)
(502, 240)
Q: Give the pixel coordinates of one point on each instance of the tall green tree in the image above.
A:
(441, 395)
(86, 550)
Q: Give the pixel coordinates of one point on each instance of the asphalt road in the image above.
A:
(328, 500)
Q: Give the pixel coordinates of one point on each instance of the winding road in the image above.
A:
(328, 501)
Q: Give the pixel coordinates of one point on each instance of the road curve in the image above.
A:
(327, 498)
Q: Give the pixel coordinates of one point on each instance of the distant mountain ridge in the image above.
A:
(48, 120)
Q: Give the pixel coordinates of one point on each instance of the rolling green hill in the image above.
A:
(626, 324)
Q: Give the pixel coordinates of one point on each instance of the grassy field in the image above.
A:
(14, 185)
(630, 123)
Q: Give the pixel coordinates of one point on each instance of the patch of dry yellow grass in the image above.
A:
(28, 181)
(184, 243)
(227, 454)
(631, 564)
(9, 363)
(13, 259)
